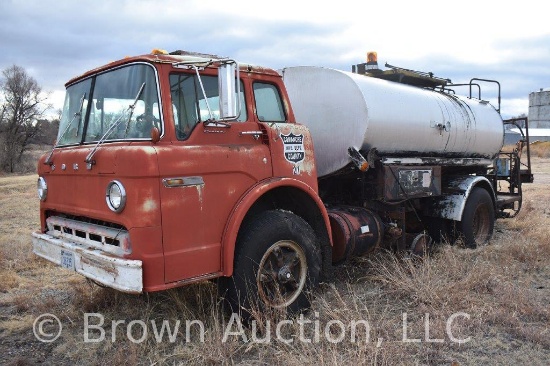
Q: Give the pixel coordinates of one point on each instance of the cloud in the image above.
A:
(57, 40)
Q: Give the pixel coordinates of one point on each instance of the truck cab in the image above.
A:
(165, 168)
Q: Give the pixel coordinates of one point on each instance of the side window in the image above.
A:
(269, 107)
(189, 104)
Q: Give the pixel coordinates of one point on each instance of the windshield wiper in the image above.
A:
(76, 114)
(114, 125)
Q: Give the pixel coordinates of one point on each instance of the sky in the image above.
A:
(55, 40)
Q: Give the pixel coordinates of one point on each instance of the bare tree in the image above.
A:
(22, 105)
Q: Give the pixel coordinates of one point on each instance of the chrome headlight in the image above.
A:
(42, 188)
(115, 196)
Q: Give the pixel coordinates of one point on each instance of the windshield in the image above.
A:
(112, 93)
(72, 118)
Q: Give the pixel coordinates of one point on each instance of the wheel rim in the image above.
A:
(421, 245)
(481, 223)
(282, 274)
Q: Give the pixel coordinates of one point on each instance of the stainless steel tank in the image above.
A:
(343, 110)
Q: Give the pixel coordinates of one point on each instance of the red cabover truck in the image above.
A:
(173, 168)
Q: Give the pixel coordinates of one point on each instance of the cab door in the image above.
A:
(204, 172)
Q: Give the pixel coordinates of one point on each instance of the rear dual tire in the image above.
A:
(478, 219)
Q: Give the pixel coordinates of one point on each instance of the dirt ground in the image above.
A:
(495, 298)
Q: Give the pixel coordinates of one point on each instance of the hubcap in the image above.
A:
(282, 274)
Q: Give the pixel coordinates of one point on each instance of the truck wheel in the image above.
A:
(478, 219)
(277, 262)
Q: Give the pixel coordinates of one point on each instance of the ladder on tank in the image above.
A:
(512, 168)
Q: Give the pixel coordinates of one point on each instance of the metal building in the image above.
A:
(539, 109)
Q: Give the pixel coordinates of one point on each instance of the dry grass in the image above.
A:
(503, 288)
(540, 149)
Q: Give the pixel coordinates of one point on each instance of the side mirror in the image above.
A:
(227, 85)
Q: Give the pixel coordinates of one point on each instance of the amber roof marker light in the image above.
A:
(372, 60)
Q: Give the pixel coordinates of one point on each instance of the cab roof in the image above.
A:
(175, 57)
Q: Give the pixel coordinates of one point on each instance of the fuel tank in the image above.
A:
(344, 109)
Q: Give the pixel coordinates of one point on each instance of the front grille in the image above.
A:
(85, 219)
(114, 240)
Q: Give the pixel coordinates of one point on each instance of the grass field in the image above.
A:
(485, 306)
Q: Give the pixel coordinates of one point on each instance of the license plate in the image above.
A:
(67, 259)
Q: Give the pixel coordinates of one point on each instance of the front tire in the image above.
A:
(478, 219)
(277, 264)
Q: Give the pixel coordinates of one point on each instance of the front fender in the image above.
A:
(242, 207)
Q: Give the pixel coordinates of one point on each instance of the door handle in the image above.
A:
(255, 134)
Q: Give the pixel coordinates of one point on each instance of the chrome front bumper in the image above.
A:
(122, 274)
